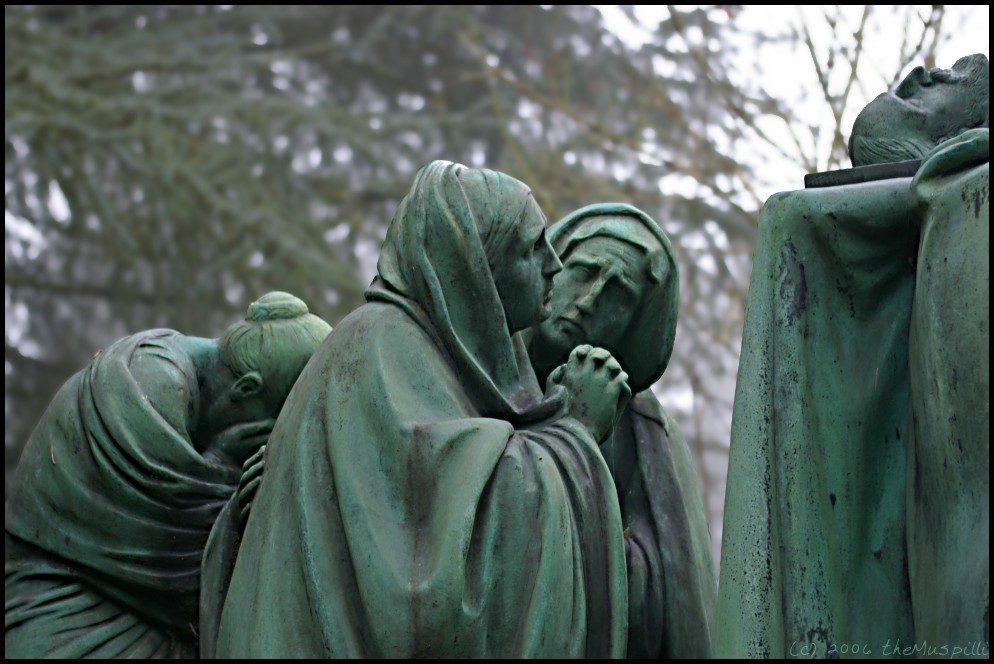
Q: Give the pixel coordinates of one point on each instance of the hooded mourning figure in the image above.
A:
(121, 481)
(422, 498)
(619, 290)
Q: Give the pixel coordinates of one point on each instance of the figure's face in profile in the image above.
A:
(927, 107)
(595, 296)
(523, 276)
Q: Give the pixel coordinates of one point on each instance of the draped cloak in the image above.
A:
(420, 498)
(671, 581)
(857, 505)
(110, 509)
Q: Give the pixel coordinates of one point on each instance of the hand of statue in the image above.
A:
(597, 388)
(248, 485)
(240, 441)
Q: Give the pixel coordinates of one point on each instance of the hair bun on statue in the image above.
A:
(276, 306)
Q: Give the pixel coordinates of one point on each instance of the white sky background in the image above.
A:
(786, 71)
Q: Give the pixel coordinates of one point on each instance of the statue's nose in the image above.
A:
(919, 77)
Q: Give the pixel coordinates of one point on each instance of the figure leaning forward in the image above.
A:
(121, 482)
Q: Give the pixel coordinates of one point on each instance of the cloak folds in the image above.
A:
(860, 439)
(948, 480)
(813, 552)
(671, 583)
(129, 503)
(420, 498)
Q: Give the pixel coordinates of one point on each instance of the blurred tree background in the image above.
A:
(165, 165)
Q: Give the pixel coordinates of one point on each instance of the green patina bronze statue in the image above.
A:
(422, 497)
(619, 290)
(857, 508)
(618, 263)
(120, 483)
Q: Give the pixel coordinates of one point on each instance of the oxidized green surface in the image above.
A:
(619, 290)
(122, 479)
(855, 523)
(421, 497)
(949, 449)
(813, 543)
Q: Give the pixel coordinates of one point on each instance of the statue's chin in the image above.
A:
(889, 129)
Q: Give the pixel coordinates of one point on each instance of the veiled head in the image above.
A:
(466, 254)
(617, 290)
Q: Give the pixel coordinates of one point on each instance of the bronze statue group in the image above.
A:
(472, 464)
